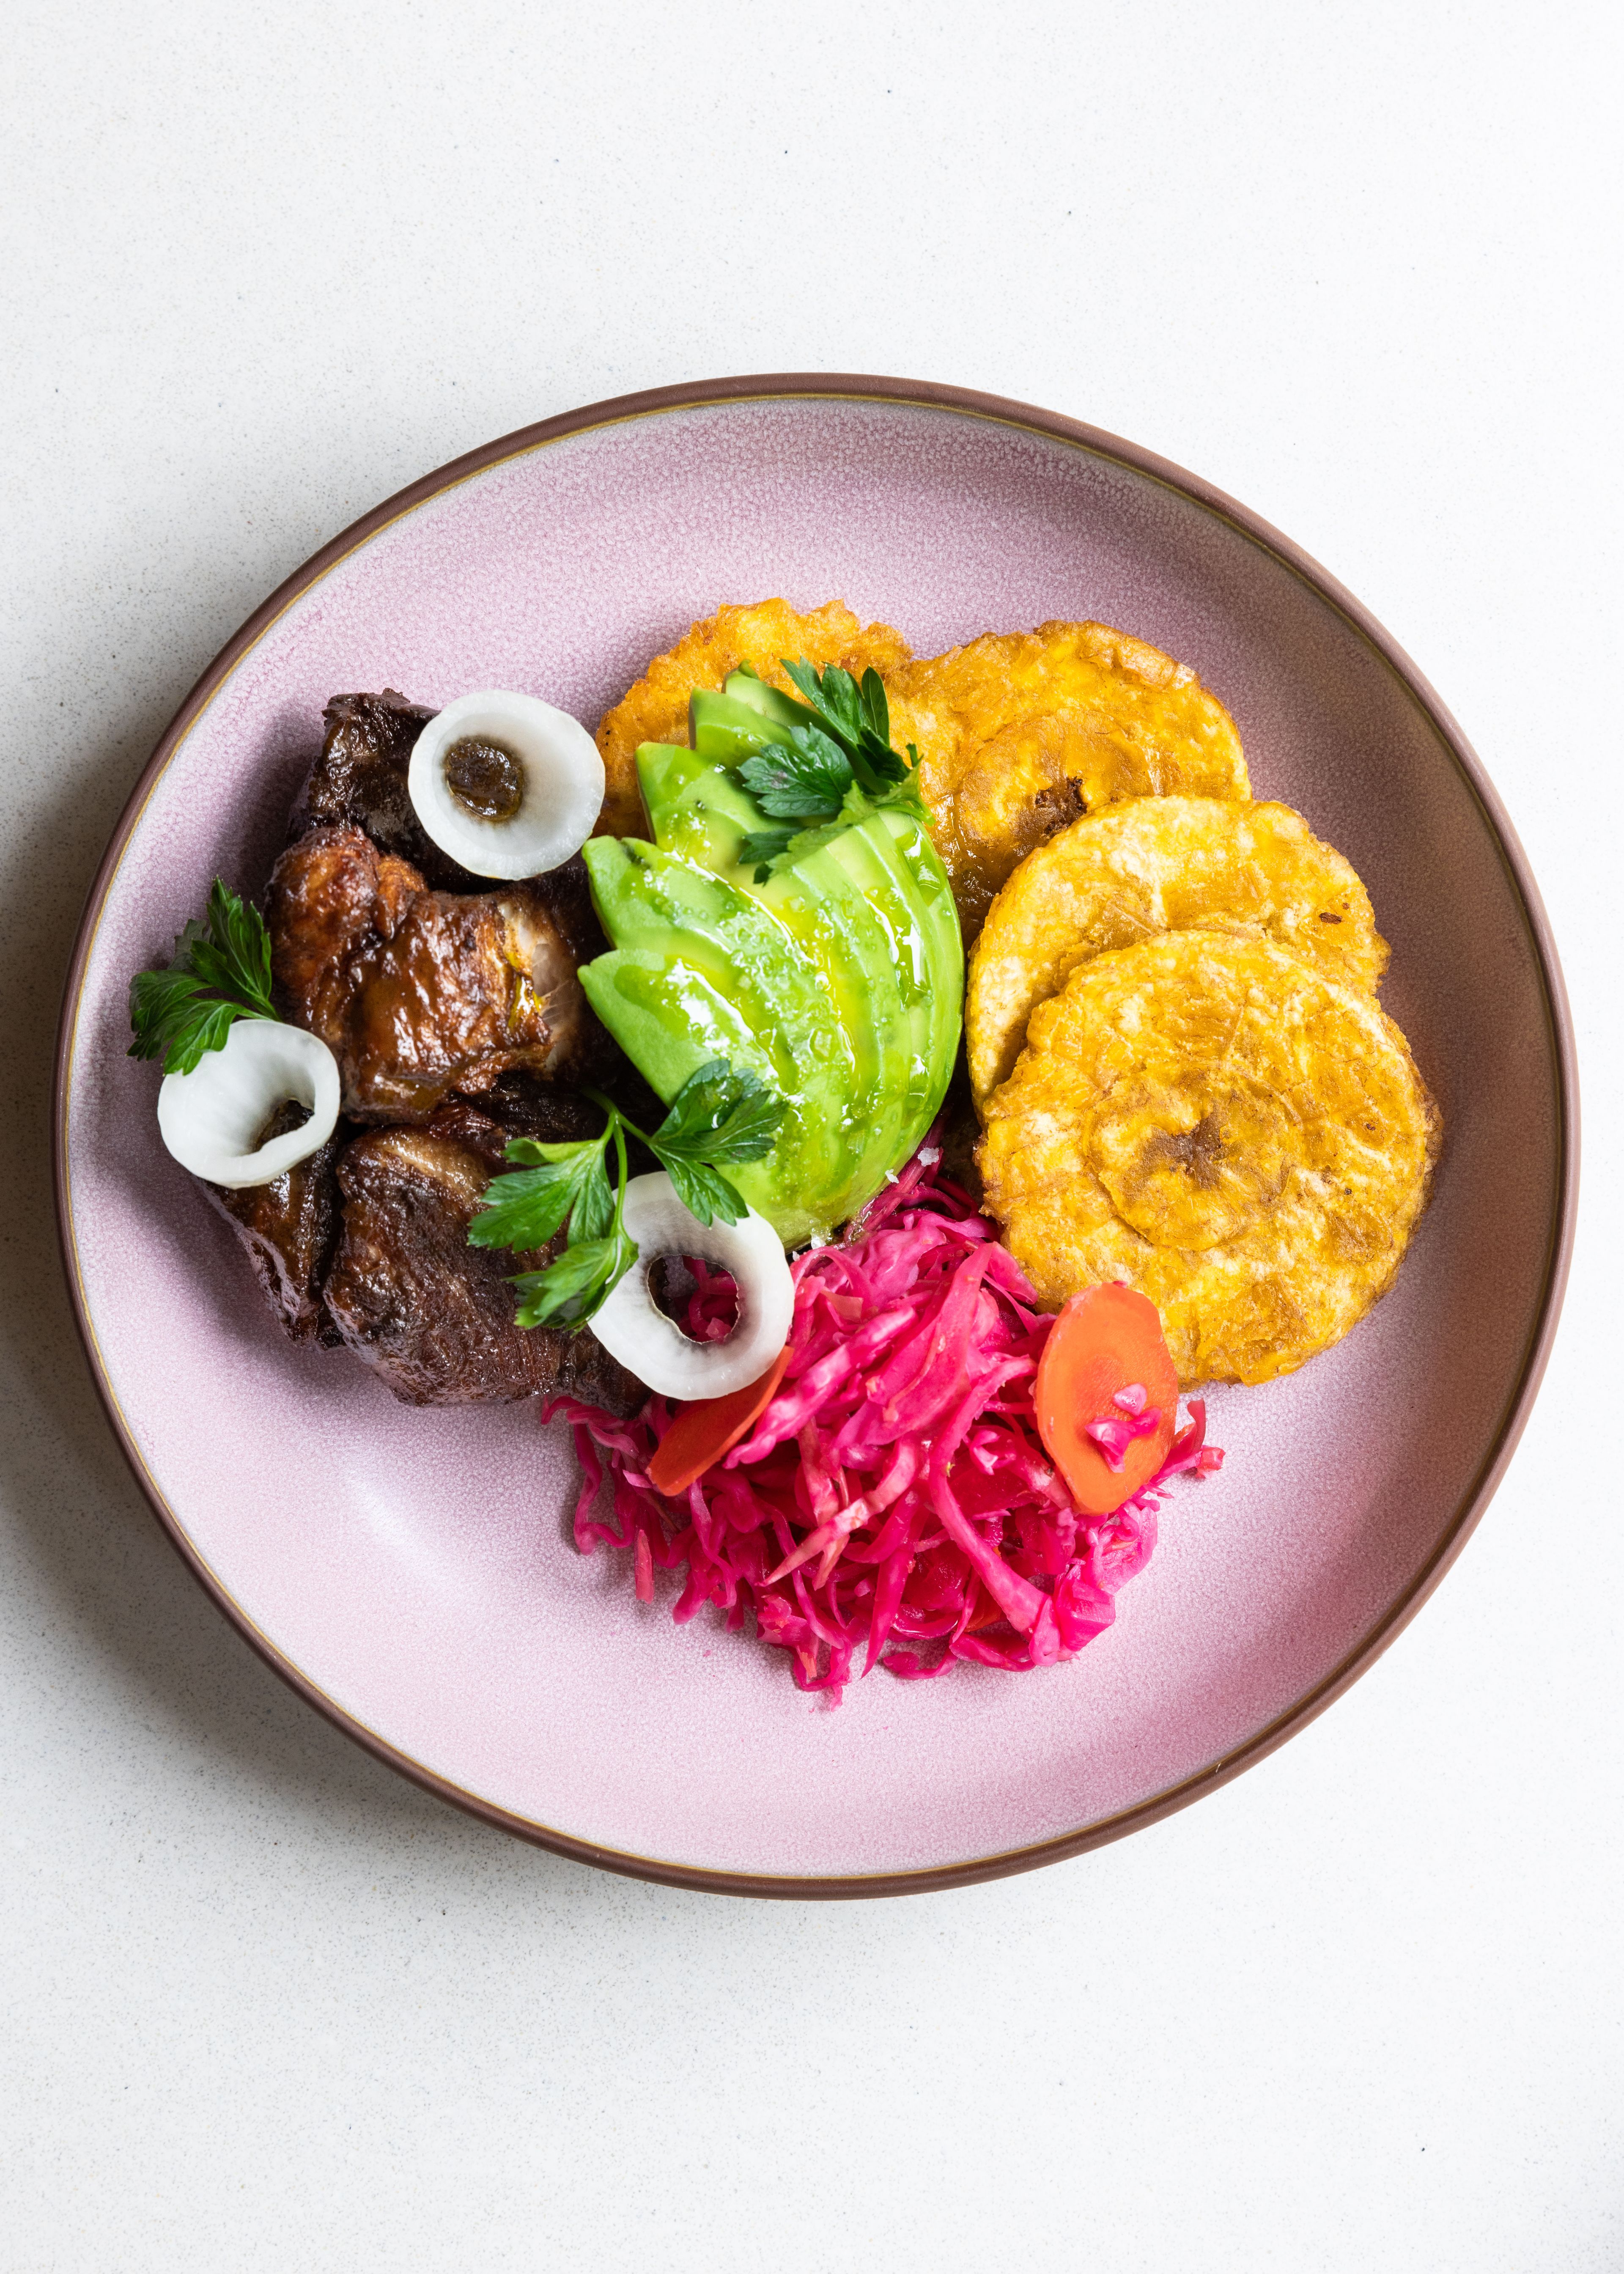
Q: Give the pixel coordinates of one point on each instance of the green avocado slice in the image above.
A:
(697, 928)
(779, 710)
(872, 905)
(670, 1020)
(861, 935)
(901, 839)
(701, 812)
(726, 731)
(699, 809)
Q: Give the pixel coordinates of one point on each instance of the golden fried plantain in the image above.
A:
(1020, 733)
(1227, 1129)
(1153, 865)
(655, 709)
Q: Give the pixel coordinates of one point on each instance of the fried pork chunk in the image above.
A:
(1227, 1129)
(362, 778)
(655, 709)
(433, 1317)
(288, 1229)
(419, 993)
(1020, 733)
(1157, 864)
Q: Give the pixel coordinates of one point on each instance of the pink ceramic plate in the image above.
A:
(410, 1572)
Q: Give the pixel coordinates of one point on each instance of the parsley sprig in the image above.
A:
(721, 1115)
(840, 763)
(221, 972)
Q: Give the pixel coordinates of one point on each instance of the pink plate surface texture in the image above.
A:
(414, 1569)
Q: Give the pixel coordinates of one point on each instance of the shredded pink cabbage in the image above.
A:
(896, 1494)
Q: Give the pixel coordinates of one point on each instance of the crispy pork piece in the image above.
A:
(433, 1317)
(360, 778)
(761, 635)
(419, 993)
(289, 1228)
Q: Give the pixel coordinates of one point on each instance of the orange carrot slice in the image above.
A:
(710, 1427)
(1107, 1395)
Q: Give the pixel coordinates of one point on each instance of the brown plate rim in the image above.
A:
(997, 409)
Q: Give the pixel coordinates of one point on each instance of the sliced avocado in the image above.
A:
(827, 911)
(700, 810)
(699, 928)
(852, 916)
(670, 1020)
(867, 855)
(944, 944)
(780, 709)
(722, 728)
(871, 906)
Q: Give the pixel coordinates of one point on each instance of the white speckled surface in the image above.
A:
(267, 2006)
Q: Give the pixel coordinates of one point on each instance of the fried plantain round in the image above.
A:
(1153, 865)
(1019, 733)
(1222, 1126)
(761, 635)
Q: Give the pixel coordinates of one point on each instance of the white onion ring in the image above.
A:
(563, 784)
(632, 1328)
(210, 1117)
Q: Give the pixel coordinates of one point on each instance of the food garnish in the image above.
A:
(1222, 1126)
(894, 1494)
(504, 785)
(837, 763)
(221, 972)
(632, 1328)
(722, 1117)
(753, 637)
(1107, 1395)
(707, 1427)
(229, 1066)
(217, 1120)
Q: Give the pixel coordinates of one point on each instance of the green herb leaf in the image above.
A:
(704, 1190)
(525, 1207)
(721, 1113)
(803, 779)
(765, 847)
(568, 1292)
(859, 720)
(221, 972)
(877, 710)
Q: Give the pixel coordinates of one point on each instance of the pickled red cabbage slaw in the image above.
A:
(895, 1496)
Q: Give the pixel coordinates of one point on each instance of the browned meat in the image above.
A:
(419, 993)
(360, 778)
(289, 1228)
(431, 1315)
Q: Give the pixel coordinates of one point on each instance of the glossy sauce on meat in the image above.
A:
(289, 1229)
(419, 993)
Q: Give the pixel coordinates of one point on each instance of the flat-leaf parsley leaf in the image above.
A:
(221, 972)
(721, 1115)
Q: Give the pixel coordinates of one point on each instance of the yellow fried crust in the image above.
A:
(1153, 865)
(1226, 1128)
(655, 709)
(1022, 732)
